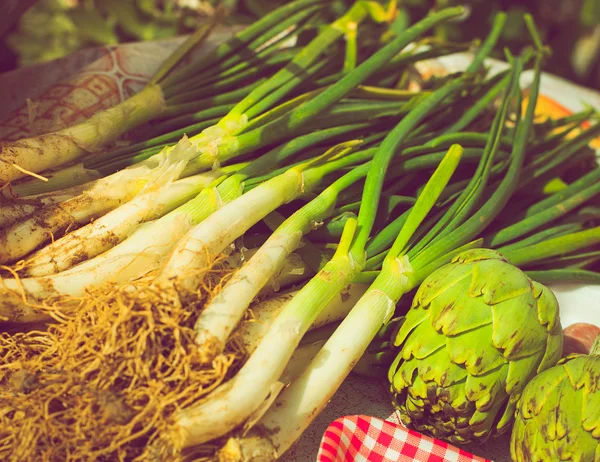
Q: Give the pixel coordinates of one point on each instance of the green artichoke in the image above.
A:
(558, 417)
(478, 330)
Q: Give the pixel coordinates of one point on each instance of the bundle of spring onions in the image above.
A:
(161, 311)
(221, 78)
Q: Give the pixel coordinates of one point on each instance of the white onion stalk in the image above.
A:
(63, 146)
(294, 271)
(29, 204)
(26, 235)
(232, 403)
(106, 194)
(111, 229)
(34, 155)
(252, 445)
(227, 308)
(303, 400)
(266, 311)
(60, 194)
(296, 407)
(66, 177)
(192, 257)
(13, 212)
(15, 208)
(286, 418)
(141, 253)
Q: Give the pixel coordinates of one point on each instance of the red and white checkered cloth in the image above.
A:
(361, 438)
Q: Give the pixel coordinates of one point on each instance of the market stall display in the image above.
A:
(141, 301)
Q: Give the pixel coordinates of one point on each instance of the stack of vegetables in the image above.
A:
(137, 290)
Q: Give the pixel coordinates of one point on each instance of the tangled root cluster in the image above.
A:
(105, 384)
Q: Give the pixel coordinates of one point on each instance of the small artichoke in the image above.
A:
(478, 330)
(558, 417)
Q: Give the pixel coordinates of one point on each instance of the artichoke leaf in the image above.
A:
(406, 374)
(414, 318)
(591, 414)
(554, 348)
(446, 407)
(568, 424)
(418, 391)
(517, 331)
(549, 452)
(520, 372)
(592, 368)
(531, 404)
(454, 374)
(547, 306)
(414, 406)
(454, 311)
(441, 280)
(456, 398)
(576, 445)
(551, 427)
(498, 281)
(473, 255)
(474, 350)
(483, 390)
(423, 342)
(439, 370)
(450, 429)
(393, 369)
(583, 372)
(591, 403)
(482, 422)
(531, 442)
(576, 371)
(506, 419)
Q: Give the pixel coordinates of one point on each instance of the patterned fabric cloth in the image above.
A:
(72, 89)
(361, 438)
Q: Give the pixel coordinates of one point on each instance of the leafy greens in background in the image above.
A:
(55, 28)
